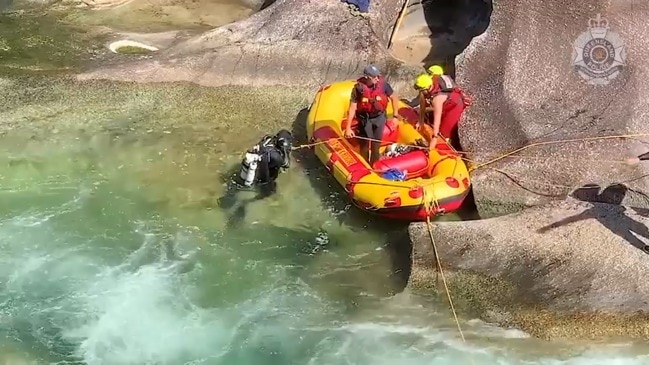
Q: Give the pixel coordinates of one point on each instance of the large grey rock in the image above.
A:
(521, 75)
(292, 42)
(569, 258)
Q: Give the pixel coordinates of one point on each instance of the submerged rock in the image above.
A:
(555, 270)
(5, 4)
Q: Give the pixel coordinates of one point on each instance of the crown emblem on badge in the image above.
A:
(598, 22)
(598, 26)
(599, 53)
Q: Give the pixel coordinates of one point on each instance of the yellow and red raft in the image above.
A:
(437, 180)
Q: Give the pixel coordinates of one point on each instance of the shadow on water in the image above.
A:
(266, 4)
(298, 246)
(453, 24)
(5, 4)
(616, 220)
(231, 200)
(397, 242)
(238, 203)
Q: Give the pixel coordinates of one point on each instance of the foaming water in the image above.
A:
(172, 300)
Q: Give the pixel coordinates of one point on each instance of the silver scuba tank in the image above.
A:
(249, 168)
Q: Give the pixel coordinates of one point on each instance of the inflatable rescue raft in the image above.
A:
(409, 182)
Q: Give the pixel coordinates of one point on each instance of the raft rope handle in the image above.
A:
(504, 155)
(309, 145)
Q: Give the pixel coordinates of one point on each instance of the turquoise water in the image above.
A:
(114, 248)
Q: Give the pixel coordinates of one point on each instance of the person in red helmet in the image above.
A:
(368, 103)
(447, 101)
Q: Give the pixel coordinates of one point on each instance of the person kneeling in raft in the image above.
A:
(368, 103)
(440, 94)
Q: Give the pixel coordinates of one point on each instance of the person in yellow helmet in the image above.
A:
(435, 70)
(440, 94)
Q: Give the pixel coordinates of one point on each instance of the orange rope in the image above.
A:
(586, 139)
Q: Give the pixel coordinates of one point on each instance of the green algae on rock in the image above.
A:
(501, 302)
(209, 128)
(133, 50)
(35, 40)
(160, 15)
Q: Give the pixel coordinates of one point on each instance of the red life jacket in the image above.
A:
(373, 99)
(445, 84)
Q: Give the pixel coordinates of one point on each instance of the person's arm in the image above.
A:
(438, 103)
(422, 110)
(387, 89)
(353, 103)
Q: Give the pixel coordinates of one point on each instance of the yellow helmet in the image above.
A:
(435, 70)
(423, 82)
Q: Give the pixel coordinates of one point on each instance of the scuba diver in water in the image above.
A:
(263, 163)
(259, 170)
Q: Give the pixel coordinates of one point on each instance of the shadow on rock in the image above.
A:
(453, 24)
(623, 225)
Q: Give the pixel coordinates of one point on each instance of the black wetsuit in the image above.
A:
(274, 158)
(274, 153)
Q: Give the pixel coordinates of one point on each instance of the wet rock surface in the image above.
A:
(436, 31)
